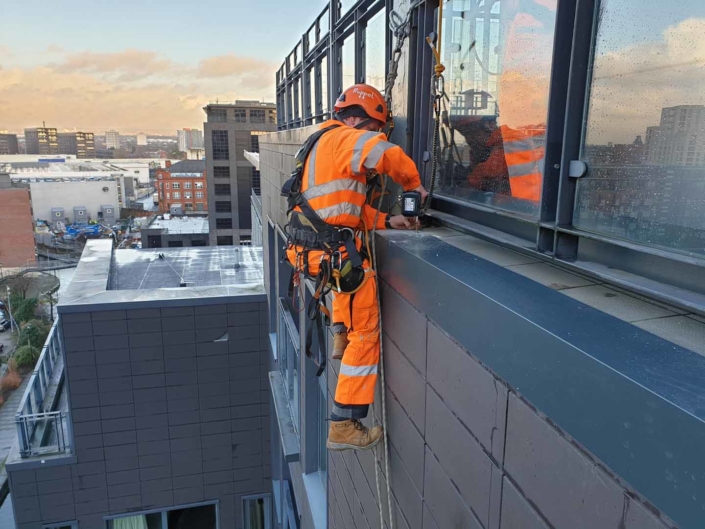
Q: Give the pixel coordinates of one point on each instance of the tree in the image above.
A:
(33, 333)
(50, 298)
(24, 309)
(20, 285)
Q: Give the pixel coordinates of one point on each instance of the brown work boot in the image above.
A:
(352, 435)
(340, 342)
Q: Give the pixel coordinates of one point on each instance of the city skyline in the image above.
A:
(153, 75)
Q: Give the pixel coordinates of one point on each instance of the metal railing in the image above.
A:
(41, 431)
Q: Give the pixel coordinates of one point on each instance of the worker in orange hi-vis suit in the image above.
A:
(327, 214)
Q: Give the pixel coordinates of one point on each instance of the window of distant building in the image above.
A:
(199, 194)
(187, 185)
(188, 194)
(222, 189)
(168, 196)
(177, 195)
(257, 116)
(217, 115)
(166, 185)
(254, 143)
(223, 206)
(224, 240)
(224, 224)
(198, 185)
(240, 115)
(221, 172)
(221, 150)
(176, 185)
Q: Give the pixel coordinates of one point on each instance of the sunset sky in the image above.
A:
(139, 65)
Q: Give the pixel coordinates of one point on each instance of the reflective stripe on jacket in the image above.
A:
(524, 156)
(335, 174)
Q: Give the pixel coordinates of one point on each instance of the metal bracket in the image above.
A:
(577, 169)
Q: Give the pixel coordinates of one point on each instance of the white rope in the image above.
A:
(383, 386)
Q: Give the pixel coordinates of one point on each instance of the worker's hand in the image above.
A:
(400, 222)
(423, 192)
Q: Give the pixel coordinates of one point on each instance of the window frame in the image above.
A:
(269, 512)
(657, 273)
(164, 511)
(61, 525)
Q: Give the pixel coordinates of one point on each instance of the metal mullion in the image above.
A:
(565, 246)
(359, 45)
(562, 46)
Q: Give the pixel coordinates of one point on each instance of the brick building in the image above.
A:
(17, 240)
(183, 184)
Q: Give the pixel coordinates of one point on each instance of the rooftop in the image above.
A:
(187, 166)
(180, 225)
(112, 279)
(241, 103)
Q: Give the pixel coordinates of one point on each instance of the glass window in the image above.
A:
(217, 115)
(644, 138)
(199, 194)
(223, 206)
(142, 521)
(187, 185)
(198, 185)
(375, 51)
(240, 115)
(498, 65)
(220, 145)
(297, 98)
(222, 189)
(188, 194)
(167, 185)
(347, 54)
(289, 358)
(257, 511)
(203, 517)
(176, 185)
(220, 172)
(324, 84)
(254, 143)
(224, 240)
(311, 102)
(224, 224)
(256, 181)
(311, 37)
(345, 6)
(257, 116)
(177, 195)
(324, 24)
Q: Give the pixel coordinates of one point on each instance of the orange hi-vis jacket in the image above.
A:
(335, 184)
(335, 173)
(518, 155)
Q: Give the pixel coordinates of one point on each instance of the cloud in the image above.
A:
(234, 65)
(127, 65)
(55, 48)
(548, 4)
(131, 91)
(632, 84)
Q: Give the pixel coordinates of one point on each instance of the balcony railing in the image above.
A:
(41, 430)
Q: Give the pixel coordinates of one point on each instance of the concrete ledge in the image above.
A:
(289, 441)
(634, 401)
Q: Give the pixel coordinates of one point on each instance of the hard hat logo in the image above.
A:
(362, 94)
(367, 97)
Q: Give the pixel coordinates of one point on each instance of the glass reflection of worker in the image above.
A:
(506, 152)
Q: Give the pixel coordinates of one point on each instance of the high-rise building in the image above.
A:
(8, 144)
(112, 139)
(41, 140)
(229, 132)
(141, 138)
(189, 139)
(82, 144)
(680, 137)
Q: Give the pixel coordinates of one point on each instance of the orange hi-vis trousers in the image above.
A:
(359, 315)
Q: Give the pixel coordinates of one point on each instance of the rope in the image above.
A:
(382, 382)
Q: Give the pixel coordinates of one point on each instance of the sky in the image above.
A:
(140, 65)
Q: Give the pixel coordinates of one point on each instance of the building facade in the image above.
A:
(520, 391)
(8, 144)
(189, 139)
(164, 419)
(81, 144)
(112, 139)
(41, 140)
(679, 139)
(229, 132)
(80, 201)
(17, 243)
(183, 183)
(141, 139)
(175, 232)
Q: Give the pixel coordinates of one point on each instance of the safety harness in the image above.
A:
(307, 231)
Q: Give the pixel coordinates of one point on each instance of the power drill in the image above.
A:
(411, 205)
